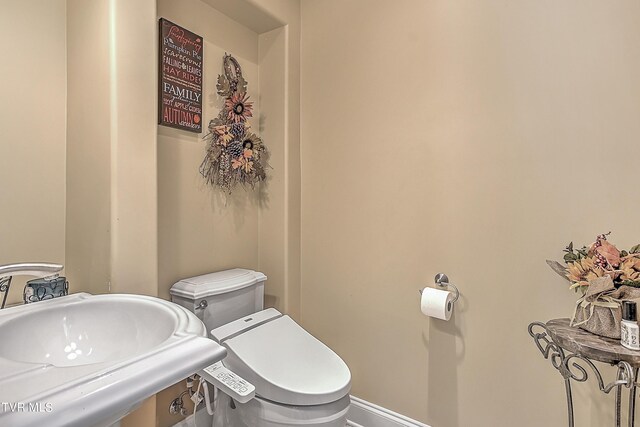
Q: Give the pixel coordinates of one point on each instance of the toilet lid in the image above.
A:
(287, 364)
(220, 282)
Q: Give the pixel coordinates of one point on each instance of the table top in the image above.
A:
(591, 346)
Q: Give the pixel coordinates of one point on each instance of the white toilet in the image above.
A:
(298, 379)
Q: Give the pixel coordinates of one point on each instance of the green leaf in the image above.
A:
(635, 249)
(632, 283)
(624, 253)
(570, 257)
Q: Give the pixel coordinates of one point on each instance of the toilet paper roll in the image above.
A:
(436, 303)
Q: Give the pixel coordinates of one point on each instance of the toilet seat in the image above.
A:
(284, 362)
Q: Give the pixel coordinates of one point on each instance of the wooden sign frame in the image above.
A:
(180, 77)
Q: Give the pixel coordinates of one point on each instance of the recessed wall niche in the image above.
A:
(200, 229)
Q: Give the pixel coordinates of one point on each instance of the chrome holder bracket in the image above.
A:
(442, 281)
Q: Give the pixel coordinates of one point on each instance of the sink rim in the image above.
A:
(79, 297)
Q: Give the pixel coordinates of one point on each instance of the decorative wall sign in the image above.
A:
(180, 91)
(235, 155)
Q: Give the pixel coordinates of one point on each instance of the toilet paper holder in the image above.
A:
(442, 281)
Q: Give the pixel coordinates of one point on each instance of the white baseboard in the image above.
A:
(366, 414)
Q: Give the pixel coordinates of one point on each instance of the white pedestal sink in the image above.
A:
(88, 360)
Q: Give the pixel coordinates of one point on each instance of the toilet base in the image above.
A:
(262, 413)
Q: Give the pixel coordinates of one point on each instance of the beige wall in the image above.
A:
(111, 148)
(474, 138)
(88, 236)
(32, 124)
(465, 137)
(134, 198)
(280, 66)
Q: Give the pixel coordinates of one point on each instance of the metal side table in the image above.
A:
(572, 351)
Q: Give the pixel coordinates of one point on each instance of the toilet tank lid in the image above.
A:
(216, 283)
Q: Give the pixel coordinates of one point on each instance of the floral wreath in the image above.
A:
(234, 155)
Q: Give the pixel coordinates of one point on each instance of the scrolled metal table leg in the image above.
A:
(554, 353)
(618, 397)
(567, 386)
(632, 399)
(626, 376)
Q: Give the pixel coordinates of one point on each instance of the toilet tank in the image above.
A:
(228, 295)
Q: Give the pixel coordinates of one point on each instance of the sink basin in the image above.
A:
(86, 360)
(95, 331)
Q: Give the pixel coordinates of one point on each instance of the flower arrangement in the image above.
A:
(605, 276)
(234, 154)
(599, 259)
